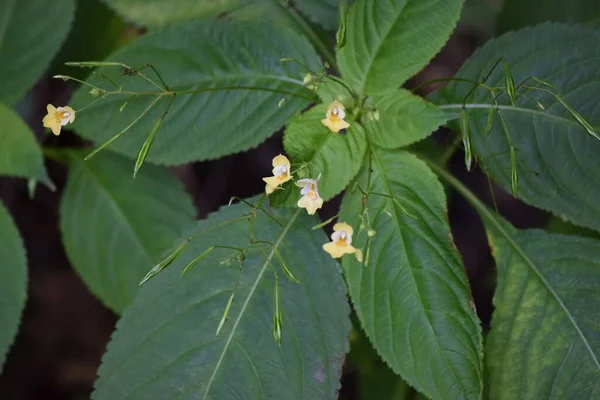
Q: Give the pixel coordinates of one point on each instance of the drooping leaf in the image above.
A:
(387, 42)
(412, 295)
(545, 337)
(522, 13)
(115, 227)
(336, 157)
(13, 281)
(401, 118)
(214, 56)
(20, 154)
(31, 32)
(556, 159)
(165, 345)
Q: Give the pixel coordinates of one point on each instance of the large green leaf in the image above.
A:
(336, 157)
(389, 41)
(412, 295)
(13, 281)
(31, 32)
(401, 118)
(545, 336)
(165, 345)
(115, 227)
(202, 55)
(521, 13)
(557, 161)
(20, 154)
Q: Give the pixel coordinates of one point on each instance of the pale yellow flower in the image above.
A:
(58, 117)
(310, 195)
(335, 117)
(341, 241)
(281, 174)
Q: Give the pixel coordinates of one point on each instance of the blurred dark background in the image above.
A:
(65, 329)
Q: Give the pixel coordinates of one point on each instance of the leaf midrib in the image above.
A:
(247, 301)
(521, 253)
(508, 108)
(388, 187)
(377, 48)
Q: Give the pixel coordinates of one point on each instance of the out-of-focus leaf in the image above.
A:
(162, 12)
(214, 56)
(96, 32)
(556, 159)
(545, 336)
(165, 345)
(387, 42)
(13, 281)
(518, 14)
(323, 12)
(114, 228)
(412, 295)
(20, 154)
(31, 33)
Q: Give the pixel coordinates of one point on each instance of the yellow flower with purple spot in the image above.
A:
(341, 241)
(335, 117)
(281, 174)
(58, 117)
(310, 195)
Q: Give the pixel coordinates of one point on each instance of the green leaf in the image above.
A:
(387, 42)
(115, 227)
(13, 281)
(336, 157)
(323, 12)
(20, 154)
(165, 345)
(96, 32)
(521, 13)
(162, 12)
(545, 338)
(401, 118)
(211, 58)
(556, 159)
(412, 295)
(30, 34)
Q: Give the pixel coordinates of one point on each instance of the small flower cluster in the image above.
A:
(310, 200)
(341, 239)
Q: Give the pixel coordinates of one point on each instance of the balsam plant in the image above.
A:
(254, 301)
